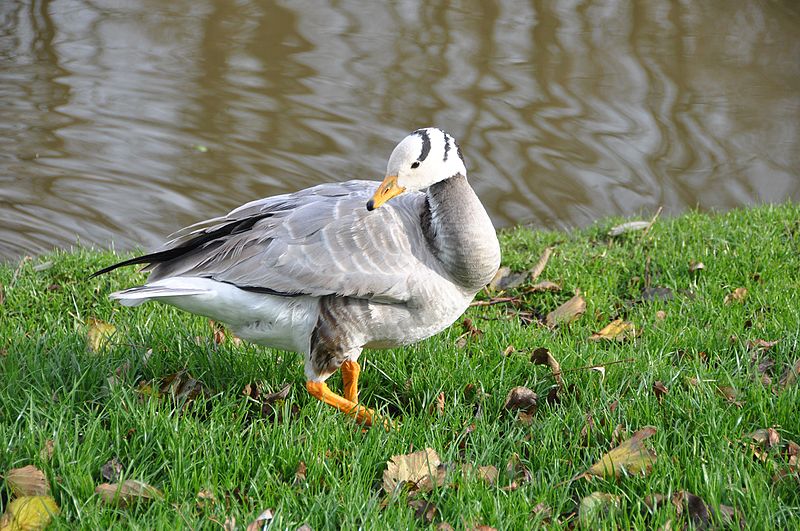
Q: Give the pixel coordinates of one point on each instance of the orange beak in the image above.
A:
(387, 190)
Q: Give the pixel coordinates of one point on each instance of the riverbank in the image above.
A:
(705, 351)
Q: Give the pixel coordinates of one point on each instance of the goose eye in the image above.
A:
(415, 164)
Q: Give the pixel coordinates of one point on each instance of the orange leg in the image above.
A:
(350, 372)
(321, 391)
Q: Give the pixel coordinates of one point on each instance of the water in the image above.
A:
(122, 121)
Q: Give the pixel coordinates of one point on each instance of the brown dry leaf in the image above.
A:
(127, 493)
(616, 330)
(630, 457)
(261, 522)
(29, 513)
(791, 375)
(544, 285)
(737, 295)
(205, 497)
(518, 471)
(542, 356)
(730, 394)
(424, 510)
(99, 334)
(767, 438)
(506, 279)
(700, 514)
(661, 315)
(567, 312)
(300, 473)
(521, 398)
(696, 266)
(594, 506)
(112, 470)
(46, 453)
(183, 387)
(761, 344)
(543, 510)
(27, 481)
(444, 526)
(537, 269)
(437, 408)
(488, 473)
(659, 389)
(217, 332)
(421, 470)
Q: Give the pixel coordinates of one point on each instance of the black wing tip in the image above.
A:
(112, 267)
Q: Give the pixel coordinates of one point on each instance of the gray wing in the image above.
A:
(319, 241)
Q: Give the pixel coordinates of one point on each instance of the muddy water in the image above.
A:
(121, 121)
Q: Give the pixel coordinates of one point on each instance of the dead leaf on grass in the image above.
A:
(29, 513)
(46, 453)
(268, 405)
(261, 523)
(205, 498)
(761, 344)
(542, 356)
(596, 505)
(27, 481)
(791, 375)
(470, 331)
(730, 394)
(567, 312)
(183, 387)
(544, 285)
(217, 332)
(421, 471)
(537, 269)
(661, 315)
(300, 473)
(424, 510)
(488, 473)
(112, 470)
(523, 399)
(696, 266)
(437, 408)
(737, 295)
(630, 457)
(99, 334)
(127, 493)
(506, 279)
(659, 389)
(616, 330)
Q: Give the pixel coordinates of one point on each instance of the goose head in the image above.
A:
(421, 159)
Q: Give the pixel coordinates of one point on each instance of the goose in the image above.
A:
(339, 267)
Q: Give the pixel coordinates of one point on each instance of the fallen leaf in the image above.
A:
(420, 470)
(693, 506)
(737, 295)
(444, 526)
(696, 266)
(99, 334)
(112, 470)
(730, 394)
(661, 315)
(542, 356)
(27, 481)
(300, 473)
(761, 344)
(544, 285)
(205, 497)
(268, 405)
(543, 511)
(659, 389)
(537, 269)
(183, 387)
(437, 407)
(506, 279)
(630, 226)
(46, 453)
(29, 513)
(594, 506)
(791, 375)
(521, 398)
(470, 331)
(630, 457)
(217, 332)
(656, 294)
(488, 473)
(304, 527)
(424, 510)
(518, 471)
(616, 330)
(509, 350)
(567, 312)
(261, 523)
(127, 493)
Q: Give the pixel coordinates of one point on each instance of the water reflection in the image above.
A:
(567, 111)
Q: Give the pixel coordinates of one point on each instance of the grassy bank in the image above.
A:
(69, 410)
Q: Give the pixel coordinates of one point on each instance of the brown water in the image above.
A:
(121, 121)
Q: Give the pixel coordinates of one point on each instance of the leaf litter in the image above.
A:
(630, 457)
(29, 513)
(127, 493)
(27, 481)
(567, 312)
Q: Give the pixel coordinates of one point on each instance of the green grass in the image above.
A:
(52, 387)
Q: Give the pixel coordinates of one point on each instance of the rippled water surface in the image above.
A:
(122, 121)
